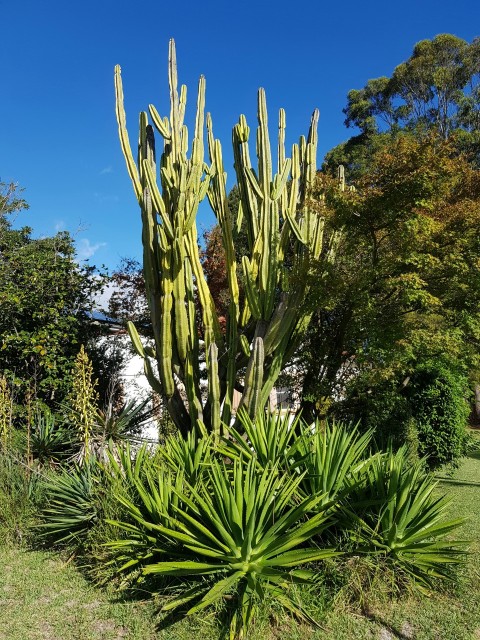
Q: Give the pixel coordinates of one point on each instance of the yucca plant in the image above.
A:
(73, 505)
(272, 438)
(191, 454)
(399, 516)
(125, 464)
(332, 459)
(123, 425)
(50, 442)
(239, 532)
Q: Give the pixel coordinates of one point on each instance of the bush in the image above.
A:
(227, 524)
(240, 532)
(428, 411)
(437, 397)
(377, 406)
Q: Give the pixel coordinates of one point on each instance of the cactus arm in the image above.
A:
(164, 343)
(123, 133)
(161, 124)
(179, 294)
(251, 294)
(135, 338)
(263, 145)
(174, 101)
(274, 370)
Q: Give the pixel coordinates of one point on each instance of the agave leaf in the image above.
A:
(217, 591)
(182, 568)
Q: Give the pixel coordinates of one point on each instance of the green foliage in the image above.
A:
(272, 439)
(235, 523)
(73, 506)
(50, 442)
(435, 90)
(45, 297)
(21, 494)
(191, 454)
(6, 413)
(239, 527)
(122, 424)
(333, 460)
(400, 517)
(428, 409)
(403, 290)
(435, 87)
(438, 403)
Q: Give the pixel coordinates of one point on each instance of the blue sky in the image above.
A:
(58, 134)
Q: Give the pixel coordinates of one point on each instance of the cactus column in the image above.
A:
(263, 330)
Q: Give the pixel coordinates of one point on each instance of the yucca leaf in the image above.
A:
(217, 591)
(183, 568)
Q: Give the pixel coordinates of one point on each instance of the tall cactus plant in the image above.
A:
(264, 325)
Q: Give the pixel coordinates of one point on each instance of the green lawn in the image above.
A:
(43, 598)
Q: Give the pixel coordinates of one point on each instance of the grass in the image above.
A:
(43, 598)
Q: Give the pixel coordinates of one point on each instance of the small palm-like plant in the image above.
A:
(273, 438)
(50, 443)
(332, 458)
(400, 517)
(73, 505)
(239, 532)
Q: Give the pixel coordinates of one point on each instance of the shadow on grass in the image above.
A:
(459, 483)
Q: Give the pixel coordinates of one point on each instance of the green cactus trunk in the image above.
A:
(263, 330)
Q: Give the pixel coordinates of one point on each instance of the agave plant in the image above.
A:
(273, 438)
(400, 517)
(191, 454)
(50, 443)
(332, 458)
(73, 506)
(239, 532)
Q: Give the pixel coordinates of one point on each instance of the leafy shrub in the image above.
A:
(427, 411)
(437, 397)
(377, 406)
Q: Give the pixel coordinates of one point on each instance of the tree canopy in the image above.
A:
(46, 298)
(406, 282)
(436, 89)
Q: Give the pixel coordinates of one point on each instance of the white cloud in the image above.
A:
(106, 170)
(86, 250)
(103, 197)
(60, 226)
